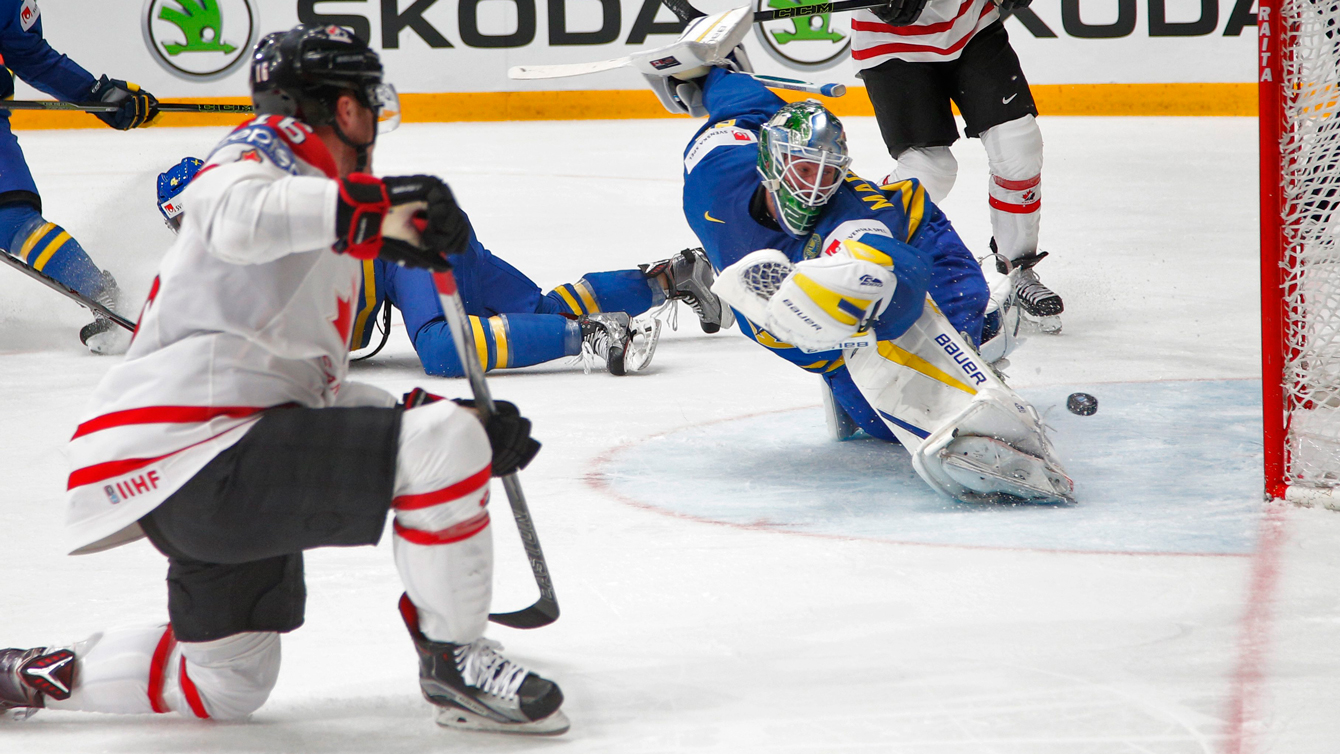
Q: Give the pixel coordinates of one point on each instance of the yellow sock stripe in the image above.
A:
(569, 300)
(481, 345)
(588, 296)
(897, 355)
(499, 327)
(369, 301)
(51, 250)
(32, 240)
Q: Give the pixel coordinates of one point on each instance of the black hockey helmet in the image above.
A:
(303, 71)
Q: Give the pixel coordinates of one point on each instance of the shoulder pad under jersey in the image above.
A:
(717, 136)
(259, 143)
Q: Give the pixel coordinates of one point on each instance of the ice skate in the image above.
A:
(29, 676)
(625, 346)
(102, 336)
(992, 471)
(688, 278)
(1038, 302)
(475, 688)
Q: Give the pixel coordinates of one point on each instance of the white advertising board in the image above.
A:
(198, 48)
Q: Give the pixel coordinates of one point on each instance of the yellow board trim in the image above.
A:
(447, 107)
(569, 300)
(51, 250)
(369, 299)
(897, 355)
(481, 345)
(499, 340)
(588, 296)
(32, 240)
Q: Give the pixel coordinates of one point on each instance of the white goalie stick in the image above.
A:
(562, 70)
(545, 610)
(66, 291)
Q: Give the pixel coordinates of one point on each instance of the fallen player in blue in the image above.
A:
(24, 232)
(515, 325)
(867, 286)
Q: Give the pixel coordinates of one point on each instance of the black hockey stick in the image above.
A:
(545, 610)
(100, 107)
(687, 12)
(66, 291)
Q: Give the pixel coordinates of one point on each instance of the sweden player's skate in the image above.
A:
(1037, 300)
(29, 676)
(624, 345)
(475, 688)
(102, 336)
(688, 277)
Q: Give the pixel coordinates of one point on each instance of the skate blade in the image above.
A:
(1049, 324)
(459, 719)
(995, 471)
(17, 714)
(646, 334)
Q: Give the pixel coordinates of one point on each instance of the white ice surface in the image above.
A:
(765, 611)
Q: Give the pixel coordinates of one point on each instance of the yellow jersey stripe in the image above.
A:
(916, 211)
(897, 355)
(51, 250)
(838, 362)
(869, 253)
(369, 301)
(588, 296)
(481, 345)
(765, 339)
(32, 240)
(569, 300)
(499, 328)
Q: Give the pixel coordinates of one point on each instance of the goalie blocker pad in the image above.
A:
(705, 43)
(971, 437)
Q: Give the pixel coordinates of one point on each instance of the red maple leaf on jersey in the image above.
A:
(344, 317)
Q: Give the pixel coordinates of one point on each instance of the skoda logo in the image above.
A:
(804, 42)
(200, 40)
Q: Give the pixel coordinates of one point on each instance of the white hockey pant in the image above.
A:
(443, 546)
(1014, 157)
(934, 393)
(934, 167)
(143, 670)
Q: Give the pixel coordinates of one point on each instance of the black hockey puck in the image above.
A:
(1082, 404)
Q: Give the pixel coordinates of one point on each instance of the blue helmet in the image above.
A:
(172, 183)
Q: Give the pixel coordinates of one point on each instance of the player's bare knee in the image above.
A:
(1014, 149)
(229, 678)
(935, 167)
(441, 445)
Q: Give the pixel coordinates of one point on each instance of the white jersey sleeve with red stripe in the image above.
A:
(941, 32)
(250, 310)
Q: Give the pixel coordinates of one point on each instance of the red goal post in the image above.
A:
(1299, 75)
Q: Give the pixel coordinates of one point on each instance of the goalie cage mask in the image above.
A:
(803, 159)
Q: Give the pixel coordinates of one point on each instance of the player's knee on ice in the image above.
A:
(48, 248)
(935, 167)
(233, 676)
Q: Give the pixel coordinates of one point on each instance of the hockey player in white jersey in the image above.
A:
(915, 57)
(230, 437)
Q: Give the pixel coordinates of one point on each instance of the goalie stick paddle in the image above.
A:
(66, 291)
(545, 610)
(100, 107)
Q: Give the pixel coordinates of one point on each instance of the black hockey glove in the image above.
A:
(509, 435)
(1009, 6)
(899, 12)
(138, 107)
(442, 225)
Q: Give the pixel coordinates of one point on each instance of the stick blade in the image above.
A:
(542, 613)
(562, 70)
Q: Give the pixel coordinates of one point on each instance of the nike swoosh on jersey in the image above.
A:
(1009, 99)
(711, 219)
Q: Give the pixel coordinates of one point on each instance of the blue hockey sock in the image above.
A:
(502, 341)
(617, 291)
(48, 248)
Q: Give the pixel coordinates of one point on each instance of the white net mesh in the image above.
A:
(764, 278)
(1310, 160)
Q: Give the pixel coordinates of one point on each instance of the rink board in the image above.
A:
(1163, 467)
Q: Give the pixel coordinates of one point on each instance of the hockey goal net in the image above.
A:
(1300, 247)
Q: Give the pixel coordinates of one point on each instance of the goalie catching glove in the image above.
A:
(412, 221)
(815, 305)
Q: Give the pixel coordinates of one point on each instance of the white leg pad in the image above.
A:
(139, 671)
(443, 546)
(930, 387)
(935, 167)
(1014, 157)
